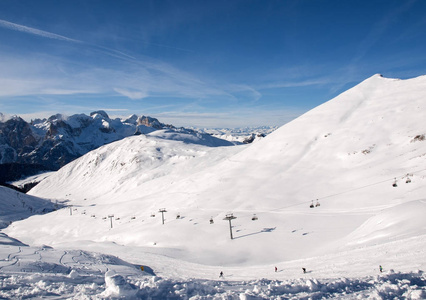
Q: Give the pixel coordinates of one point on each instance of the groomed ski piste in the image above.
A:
(360, 157)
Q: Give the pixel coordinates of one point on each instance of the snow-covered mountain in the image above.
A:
(244, 135)
(338, 191)
(346, 153)
(52, 143)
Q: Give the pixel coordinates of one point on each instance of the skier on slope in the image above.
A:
(221, 274)
(381, 269)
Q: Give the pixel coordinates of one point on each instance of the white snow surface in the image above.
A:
(239, 135)
(345, 155)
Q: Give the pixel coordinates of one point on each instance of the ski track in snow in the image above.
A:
(35, 273)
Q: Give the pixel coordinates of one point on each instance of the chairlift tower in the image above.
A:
(230, 217)
(162, 211)
(110, 217)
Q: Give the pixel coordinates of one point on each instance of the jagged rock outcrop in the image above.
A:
(150, 122)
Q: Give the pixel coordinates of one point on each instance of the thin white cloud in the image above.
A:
(133, 78)
(240, 118)
(34, 31)
(50, 35)
(40, 75)
(245, 91)
(53, 91)
(301, 83)
(134, 95)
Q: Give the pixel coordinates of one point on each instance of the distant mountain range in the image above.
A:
(48, 144)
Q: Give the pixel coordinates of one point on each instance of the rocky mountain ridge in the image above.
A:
(51, 143)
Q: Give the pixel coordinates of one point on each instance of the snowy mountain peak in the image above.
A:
(57, 117)
(131, 119)
(99, 114)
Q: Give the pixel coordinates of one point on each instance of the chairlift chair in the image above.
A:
(152, 215)
(312, 204)
(408, 180)
(317, 204)
(394, 183)
(211, 220)
(254, 218)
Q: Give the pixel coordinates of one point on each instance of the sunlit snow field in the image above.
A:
(360, 156)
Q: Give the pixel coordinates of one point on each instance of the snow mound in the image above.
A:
(116, 286)
(398, 222)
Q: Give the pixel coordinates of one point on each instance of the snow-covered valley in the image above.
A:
(358, 159)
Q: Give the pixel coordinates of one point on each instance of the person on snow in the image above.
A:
(221, 274)
(276, 269)
(304, 270)
(381, 269)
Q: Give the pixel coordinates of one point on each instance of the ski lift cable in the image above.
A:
(333, 195)
(351, 190)
(368, 185)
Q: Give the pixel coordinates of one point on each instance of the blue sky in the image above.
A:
(201, 63)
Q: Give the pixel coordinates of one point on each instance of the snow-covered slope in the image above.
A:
(16, 206)
(347, 153)
(121, 169)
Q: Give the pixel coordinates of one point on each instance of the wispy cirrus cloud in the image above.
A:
(50, 35)
(130, 77)
(51, 75)
(134, 95)
(293, 83)
(134, 78)
(34, 31)
(230, 118)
